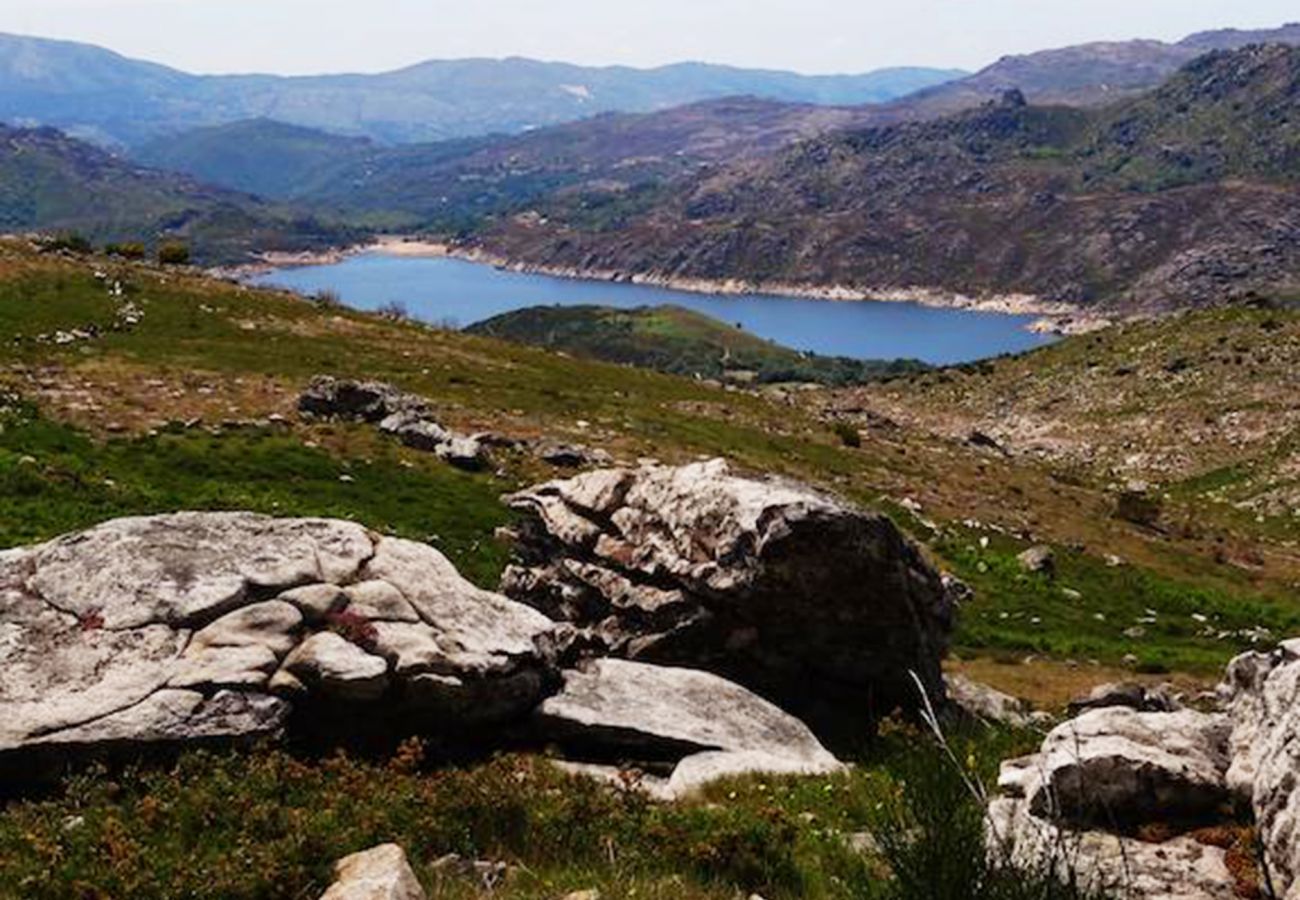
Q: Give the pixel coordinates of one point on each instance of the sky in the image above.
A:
(814, 36)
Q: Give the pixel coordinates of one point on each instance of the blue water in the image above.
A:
(452, 291)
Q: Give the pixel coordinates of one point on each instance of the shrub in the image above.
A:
(174, 253)
(395, 310)
(127, 250)
(848, 434)
(68, 241)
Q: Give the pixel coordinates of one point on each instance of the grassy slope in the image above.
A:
(677, 341)
(108, 426)
(225, 354)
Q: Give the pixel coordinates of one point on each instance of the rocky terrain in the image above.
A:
(353, 641)
(1149, 204)
(199, 628)
(1098, 801)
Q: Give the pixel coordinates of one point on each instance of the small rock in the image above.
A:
(1038, 561)
(381, 873)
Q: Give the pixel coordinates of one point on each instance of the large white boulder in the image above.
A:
(214, 625)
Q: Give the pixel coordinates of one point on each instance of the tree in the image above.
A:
(174, 253)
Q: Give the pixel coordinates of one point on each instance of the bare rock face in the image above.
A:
(1118, 767)
(700, 726)
(814, 604)
(1071, 807)
(381, 873)
(216, 626)
(1105, 864)
(1264, 700)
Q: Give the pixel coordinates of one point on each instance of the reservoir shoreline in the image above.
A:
(1050, 318)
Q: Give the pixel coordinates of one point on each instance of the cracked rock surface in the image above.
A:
(812, 603)
(211, 625)
(1073, 805)
(190, 628)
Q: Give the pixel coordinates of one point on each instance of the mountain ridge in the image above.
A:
(1141, 205)
(86, 90)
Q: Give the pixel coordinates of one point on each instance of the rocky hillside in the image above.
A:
(51, 182)
(1187, 197)
(1094, 74)
(680, 342)
(101, 96)
(353, 594)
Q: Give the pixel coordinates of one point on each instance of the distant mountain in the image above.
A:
(1234, 39)
(101, 96)
(51, 182)
(260, 156)
(680, 342)
(1187, 196)
(455, 184)
(617, 162)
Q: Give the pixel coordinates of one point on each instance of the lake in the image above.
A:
(461, 293)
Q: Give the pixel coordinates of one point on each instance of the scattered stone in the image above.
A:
(407, 417)
(381, 873)
(367, 401)
(987, 704)
(570, 456)
(820, 606)
(1127, 694)
(1038, 561)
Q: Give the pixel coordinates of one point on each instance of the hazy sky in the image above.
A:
(302, 36)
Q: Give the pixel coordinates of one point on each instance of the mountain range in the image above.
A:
(1188, 195)
(452, 185)
(106, 98)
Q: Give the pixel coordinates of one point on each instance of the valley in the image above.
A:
(495, 478)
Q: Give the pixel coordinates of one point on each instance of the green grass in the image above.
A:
(266, 824)
(679, 341)
(54, 479)
(1017, 612)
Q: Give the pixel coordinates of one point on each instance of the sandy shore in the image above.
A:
(1051, 318)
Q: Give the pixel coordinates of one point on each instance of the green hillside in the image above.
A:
(680, 342)
(51, 182)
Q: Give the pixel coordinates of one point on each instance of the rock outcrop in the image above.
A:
(408, 417)
(1263, 691)
(702, 726)
(822, 608)
(1071, 807)
(380, 873)
(1098, 778)
(150, 633)
(192, 626)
